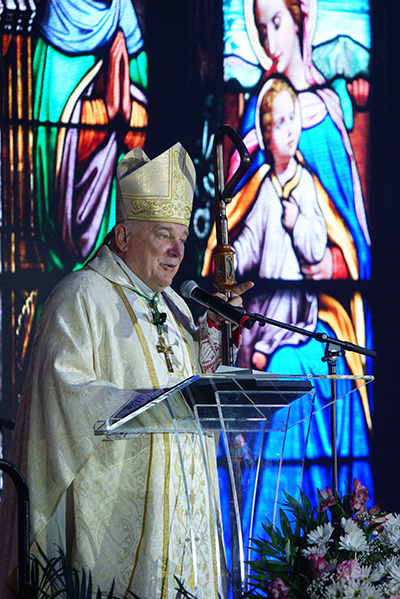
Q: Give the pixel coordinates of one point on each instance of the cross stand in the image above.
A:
(223, 256)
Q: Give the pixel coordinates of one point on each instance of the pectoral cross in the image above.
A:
(167, 351)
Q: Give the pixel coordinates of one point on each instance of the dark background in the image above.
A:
(384, 225)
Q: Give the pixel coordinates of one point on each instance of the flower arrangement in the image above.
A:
(339, 550)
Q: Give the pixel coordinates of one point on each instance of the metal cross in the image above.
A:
(167, 351)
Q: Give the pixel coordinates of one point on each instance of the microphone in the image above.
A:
(238, 316)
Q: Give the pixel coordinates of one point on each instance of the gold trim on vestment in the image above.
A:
(181, 330)
(155, 383)
(165, 555)
(141, 337)
(144, 520)
(165, 564)
(213, 539)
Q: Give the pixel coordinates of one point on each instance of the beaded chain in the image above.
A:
(158, 321)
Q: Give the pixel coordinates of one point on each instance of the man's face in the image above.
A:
(155, 251)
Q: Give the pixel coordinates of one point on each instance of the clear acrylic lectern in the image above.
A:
(250, 416)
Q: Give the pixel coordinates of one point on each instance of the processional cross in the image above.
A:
(167, 351)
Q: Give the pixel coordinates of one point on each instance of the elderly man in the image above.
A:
(119, 508)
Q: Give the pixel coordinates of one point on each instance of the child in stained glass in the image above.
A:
(285, 227)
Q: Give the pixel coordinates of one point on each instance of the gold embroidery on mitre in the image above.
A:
(158, 190)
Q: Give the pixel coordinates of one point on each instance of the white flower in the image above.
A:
(354, 542)
(366, 572)
(321, 534)
(394, 571)
(378, 573)
(319, 550)
(354, 538)
(352, 589)
(392, 588)
(334, 591)
(391, 568)
(391, 532)
(318, 588)
(389, 563)
(369, 591)
(348, 525)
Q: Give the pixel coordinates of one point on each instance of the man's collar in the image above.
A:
(134, 279)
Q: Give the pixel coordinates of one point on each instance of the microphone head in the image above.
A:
(187, 288)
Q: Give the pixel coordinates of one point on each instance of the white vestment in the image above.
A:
(117, 508)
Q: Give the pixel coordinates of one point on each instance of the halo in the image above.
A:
(252, 32)
(309, 8)
(262, 93)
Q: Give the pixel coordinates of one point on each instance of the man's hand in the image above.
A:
(235, 300)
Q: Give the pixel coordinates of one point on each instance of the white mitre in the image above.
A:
(158, 190)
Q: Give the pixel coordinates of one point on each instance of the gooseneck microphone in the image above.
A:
(238, 316)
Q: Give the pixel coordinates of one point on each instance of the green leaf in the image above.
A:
(53, 578)
(285, 525)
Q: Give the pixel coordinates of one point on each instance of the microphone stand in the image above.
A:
(332, 352)
(334, 348)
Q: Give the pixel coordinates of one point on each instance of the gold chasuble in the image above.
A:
(118, 508)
